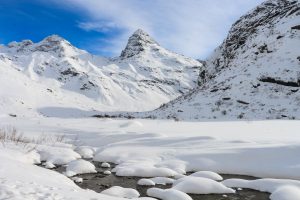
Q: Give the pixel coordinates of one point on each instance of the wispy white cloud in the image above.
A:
(99, 26)
(191, 27)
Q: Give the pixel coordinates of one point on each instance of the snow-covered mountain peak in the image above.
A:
(20, 46)
(57, 44)
(137, 43)
(142, 35)
(254, 74)
(52, 44)
(54, 38)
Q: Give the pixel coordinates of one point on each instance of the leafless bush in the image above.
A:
(11, 135)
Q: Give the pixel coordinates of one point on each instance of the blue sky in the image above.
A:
(190, 27)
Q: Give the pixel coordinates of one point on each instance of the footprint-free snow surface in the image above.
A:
(152, 148)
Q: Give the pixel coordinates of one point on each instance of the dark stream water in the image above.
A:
(99, 182)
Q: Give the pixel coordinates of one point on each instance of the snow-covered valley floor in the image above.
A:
(148, 149)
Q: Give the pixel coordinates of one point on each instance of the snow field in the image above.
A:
(205, 148)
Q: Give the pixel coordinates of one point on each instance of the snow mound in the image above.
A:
(80, 167)
(146, 181)
(77, 179)
(49, 165)
(58, 155)
(286, 193)
(178, 176)
(156, 180)
(107, 172)
(143, 171)
(118, 191)
(208, 174)
(168, 194)
(280, 189)
(162, 180)
(199, 185)
(85, 152)
(105, 165)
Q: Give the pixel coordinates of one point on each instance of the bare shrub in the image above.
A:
(11, 135)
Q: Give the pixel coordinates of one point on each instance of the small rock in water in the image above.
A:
(49, 165)
(104, 185)
(105, 165)
(107, 172)
(224, 195)
(77, 180)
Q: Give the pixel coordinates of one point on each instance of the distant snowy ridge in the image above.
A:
(53, 77)
(254, 74)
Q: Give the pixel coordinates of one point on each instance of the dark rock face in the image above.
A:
(71, 72)
(296, 27)
(137, 43)
(280, 82)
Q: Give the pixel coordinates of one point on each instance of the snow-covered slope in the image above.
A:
(254, 74)
(54, 77)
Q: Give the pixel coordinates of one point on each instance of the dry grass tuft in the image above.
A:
(11, 135)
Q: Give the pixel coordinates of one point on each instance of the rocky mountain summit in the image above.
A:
(254, 74)
(58, 75)
(138, 42)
